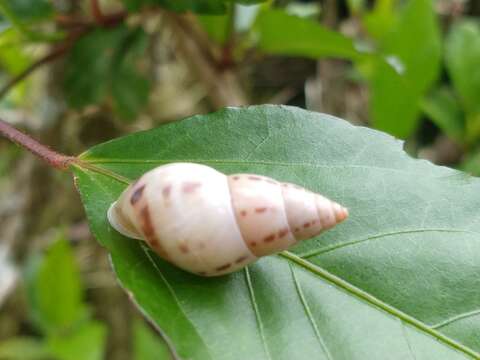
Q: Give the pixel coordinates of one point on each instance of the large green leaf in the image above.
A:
(409, 246)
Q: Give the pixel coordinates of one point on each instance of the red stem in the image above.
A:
(97, 12)
(57, 160)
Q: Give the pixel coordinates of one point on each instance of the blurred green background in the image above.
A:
(77, 73)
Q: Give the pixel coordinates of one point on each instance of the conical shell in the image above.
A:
(211, 224)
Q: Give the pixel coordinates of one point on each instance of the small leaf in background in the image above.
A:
(356, 6)
(129, 85)
(148, 345)
(28, 10)
(104, 63)
(380, 20)
(215, 26)
(444, 110)
(284, 34)
(85, 343)
(462, 57)
(471, 164)
(13, 60)
(24, 348)
(393, 106)
(417, 63)
(55, 290)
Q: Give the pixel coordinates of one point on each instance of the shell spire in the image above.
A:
(211, 224)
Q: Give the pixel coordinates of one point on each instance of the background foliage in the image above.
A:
(77, 73)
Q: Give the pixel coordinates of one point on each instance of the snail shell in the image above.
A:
(211, 224)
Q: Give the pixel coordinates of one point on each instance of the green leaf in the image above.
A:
(104, 63)
(443, 109)
(393, 106)
(85, 343)
(417, 66)
(29, 10)
(147, 345)
(130, 87)
(55, 289)
(215, 26)
(23, 348)
(381, 19)
(409, 246)
(283, 34)
(471, 164)
(462, 56)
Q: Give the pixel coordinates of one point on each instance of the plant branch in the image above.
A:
(227, 59)
(79, 30)
(103, 19)
(97, 12)
(223, 86)
(57, 160)
(55, 54)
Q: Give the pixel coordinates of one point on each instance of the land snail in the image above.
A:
(212, 224)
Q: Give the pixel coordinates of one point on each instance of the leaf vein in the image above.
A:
(379, 236)
(257, 312)
(309, 313)
(456, 318)
(174, 296)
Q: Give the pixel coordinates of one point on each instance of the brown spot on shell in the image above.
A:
(166, 191)
(243, 213)
(149, 232)
(255, 178)
(189, 187)
(236, 177)
(203, 273)
(283, 232)
(241, 259)
(147, 226)
(306, 225)
(223, 267)
(296, 229)
(137, 194)
(184, 248)
(269, 238)
(253, 243)
(260, 210)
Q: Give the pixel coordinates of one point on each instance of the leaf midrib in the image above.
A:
(235, 162)
(329, 277)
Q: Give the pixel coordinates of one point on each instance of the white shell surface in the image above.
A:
(260, 212)
(190, 212)
(302, 213)
(209, 224)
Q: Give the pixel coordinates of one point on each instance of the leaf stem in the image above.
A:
(53, 158)
(378, 303)
(84, 165)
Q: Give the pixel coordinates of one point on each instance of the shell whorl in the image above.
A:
(211, 224)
